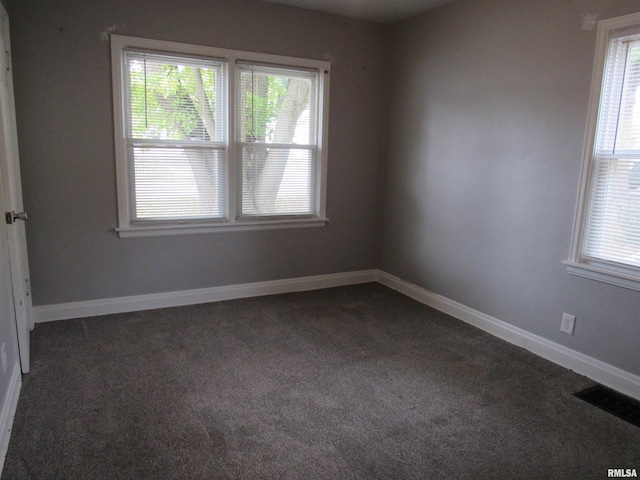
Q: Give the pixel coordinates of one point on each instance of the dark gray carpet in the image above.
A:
(347, 383)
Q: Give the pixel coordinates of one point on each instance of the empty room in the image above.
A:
(318, 239)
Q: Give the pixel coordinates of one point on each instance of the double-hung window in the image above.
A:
(210, 139)
(276, 133)
(606, 244)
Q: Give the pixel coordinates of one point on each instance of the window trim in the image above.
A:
(578, 264)
(127, 228)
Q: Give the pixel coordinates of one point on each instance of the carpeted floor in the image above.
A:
(356, 382)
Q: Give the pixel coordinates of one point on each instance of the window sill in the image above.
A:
(605, 275)
(136, 231)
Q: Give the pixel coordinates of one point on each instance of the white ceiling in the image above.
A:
(381, 11)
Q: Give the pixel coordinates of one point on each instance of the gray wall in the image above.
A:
(488, 104)
(65, 124)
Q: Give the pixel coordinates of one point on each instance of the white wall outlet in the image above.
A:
(568, 323)
(3, 352)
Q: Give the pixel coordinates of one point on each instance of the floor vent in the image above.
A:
(613, 402)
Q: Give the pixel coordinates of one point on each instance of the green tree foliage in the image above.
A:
(172, 102)
(263, 97)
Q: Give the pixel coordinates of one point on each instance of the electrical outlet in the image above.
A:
(568, 323)
(3, 352)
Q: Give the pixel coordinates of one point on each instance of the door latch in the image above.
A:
(12, 216)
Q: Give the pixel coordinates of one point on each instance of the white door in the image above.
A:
(12, 198)
(8, 324)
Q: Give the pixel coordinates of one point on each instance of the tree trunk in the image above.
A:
(201, 103)
(205, 173)
(294, 103)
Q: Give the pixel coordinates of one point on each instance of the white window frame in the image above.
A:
(231, 222)
(578, 264)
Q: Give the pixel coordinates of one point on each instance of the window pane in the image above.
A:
(277, 181)
(613, 231)
(619, 119)
(276, 105)
(628, 137)
(173, 98)
(177, 183)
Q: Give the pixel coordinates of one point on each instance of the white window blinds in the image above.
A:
(175, 128)
(612, 233)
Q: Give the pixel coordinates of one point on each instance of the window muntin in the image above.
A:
(196, 152)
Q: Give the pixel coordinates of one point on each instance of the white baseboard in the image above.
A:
(8, 411)
(596, 370)
(91, 308)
